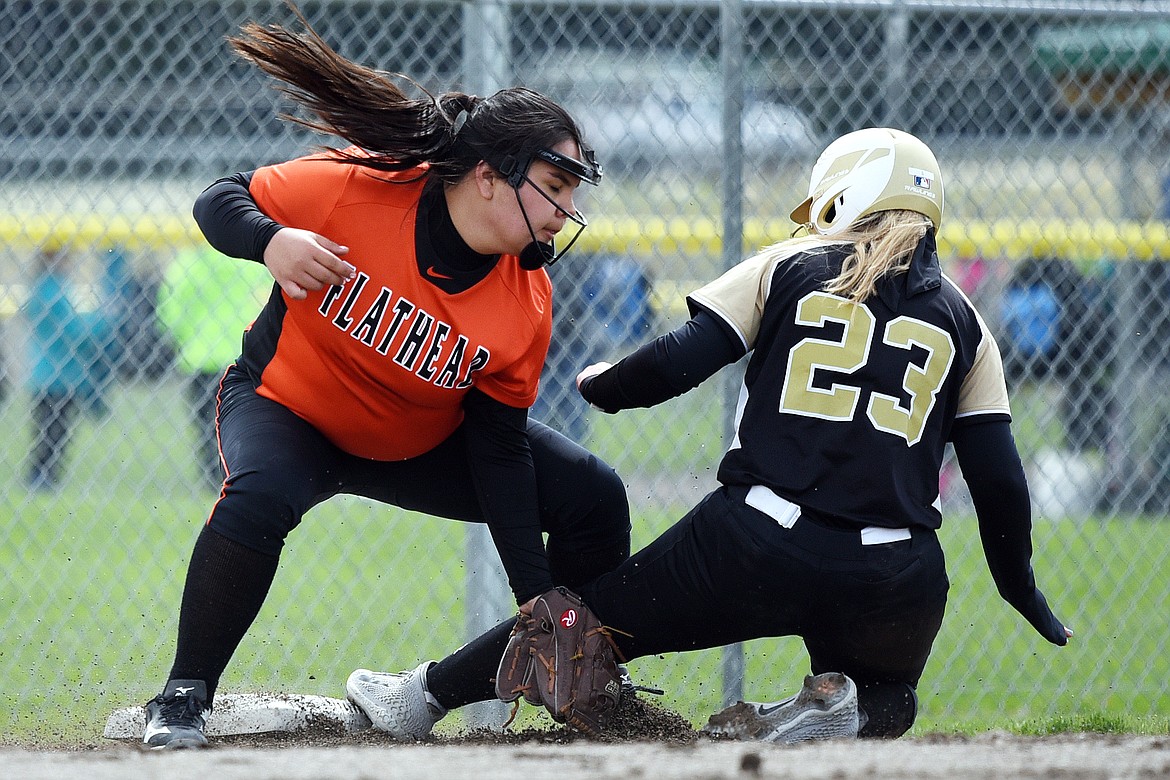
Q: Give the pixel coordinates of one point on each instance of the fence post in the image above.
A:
(731, 49)
(488, 599)
(896, 45)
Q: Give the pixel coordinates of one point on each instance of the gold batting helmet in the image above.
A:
(877, 169)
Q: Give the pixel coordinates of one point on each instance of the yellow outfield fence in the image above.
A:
(655, 236)
(23, 232)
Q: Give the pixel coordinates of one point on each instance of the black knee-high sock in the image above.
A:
(469, 674)
(889, 707)
(226, 586)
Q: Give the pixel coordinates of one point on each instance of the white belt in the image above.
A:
(787, 513)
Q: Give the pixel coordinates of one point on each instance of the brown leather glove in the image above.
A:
(562, 657)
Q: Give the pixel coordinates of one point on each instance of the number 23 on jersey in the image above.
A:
(849, 352)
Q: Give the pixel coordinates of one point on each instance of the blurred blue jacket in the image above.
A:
(70, 345)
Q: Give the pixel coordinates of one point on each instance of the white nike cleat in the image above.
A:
(397, 703)
(825, 708)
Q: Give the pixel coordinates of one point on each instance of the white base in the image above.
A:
(255, 713)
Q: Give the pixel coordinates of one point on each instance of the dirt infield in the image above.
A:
(643, 740)
(1069, 757)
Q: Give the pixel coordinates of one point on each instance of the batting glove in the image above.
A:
(591, 371)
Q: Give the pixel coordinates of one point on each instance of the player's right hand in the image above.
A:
(301, 260)
(591, 371)
(588, 373)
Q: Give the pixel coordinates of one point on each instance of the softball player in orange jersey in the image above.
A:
(400, 348)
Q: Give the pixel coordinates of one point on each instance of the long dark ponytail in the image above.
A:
(367, 108)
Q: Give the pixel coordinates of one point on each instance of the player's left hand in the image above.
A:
(1035, 608)
(561, 656)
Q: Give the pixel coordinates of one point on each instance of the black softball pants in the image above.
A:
(279, 467)
(729, 573)
(54, 417)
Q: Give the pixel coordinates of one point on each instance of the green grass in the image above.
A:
(93, 576)
(1093, 722)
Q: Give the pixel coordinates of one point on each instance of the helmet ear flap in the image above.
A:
(826, 219)
(829, 216)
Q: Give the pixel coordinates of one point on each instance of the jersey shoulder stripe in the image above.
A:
(738, 296)
(984, 388)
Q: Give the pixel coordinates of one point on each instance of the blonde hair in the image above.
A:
(883, 244)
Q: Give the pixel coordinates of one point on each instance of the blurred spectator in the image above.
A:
(5, 340)
(205, 302)
(142, 354)
(602, 305)
(1052, 320)
(979, 278)
(1086, 364)
(1031, 317)
(71, 349)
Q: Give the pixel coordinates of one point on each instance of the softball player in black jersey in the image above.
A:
(865, 360)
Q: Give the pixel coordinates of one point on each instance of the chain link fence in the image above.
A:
(1052, 120)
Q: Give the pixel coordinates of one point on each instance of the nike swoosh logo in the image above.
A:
(431, 272)
(765, 711)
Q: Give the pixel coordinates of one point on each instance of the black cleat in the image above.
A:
(630, 690)
(177, 716)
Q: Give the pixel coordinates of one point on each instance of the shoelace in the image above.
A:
(182, 711)
(631, 688)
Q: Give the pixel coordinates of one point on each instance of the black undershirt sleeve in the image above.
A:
(991, 466)
(231, 221)
(505, 481)
(666, 367)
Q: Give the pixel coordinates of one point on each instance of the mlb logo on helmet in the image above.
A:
(921, 178)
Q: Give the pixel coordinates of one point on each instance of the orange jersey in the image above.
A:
(380, 365)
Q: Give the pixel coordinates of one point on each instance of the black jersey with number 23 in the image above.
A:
(863, 395)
